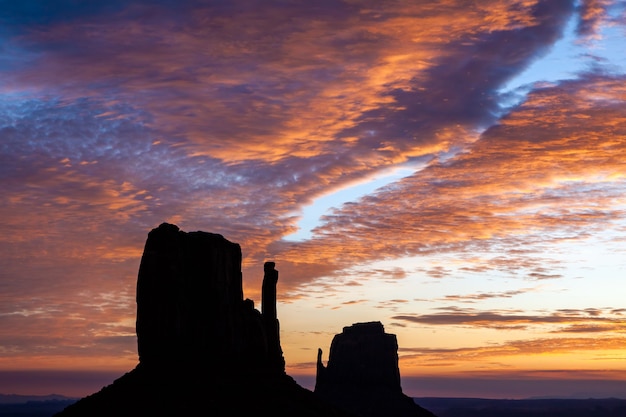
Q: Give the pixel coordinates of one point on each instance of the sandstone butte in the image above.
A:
(205, 350)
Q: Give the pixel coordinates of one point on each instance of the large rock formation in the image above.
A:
(203, 349)
(190, 306)
(362, 375)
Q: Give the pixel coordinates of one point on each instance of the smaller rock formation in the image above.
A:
(362, 375)
(270, 318)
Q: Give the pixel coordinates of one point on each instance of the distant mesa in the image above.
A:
(363, 376)
(203, 349)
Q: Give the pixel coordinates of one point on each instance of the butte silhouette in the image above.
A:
(203, 349)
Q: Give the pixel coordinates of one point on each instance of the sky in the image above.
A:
(453, 169)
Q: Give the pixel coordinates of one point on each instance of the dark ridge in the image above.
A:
(478, 407)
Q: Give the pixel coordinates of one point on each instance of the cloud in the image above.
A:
(592, 14)
(353, 302)
(539, 276)
(506, 320)
(581, 328)
(472, 298)
(63, 330)
(229, 93)
(213, 107)
(549, 172)
(513, 348)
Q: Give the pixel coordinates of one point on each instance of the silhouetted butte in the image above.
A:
(203, 349)
(362, 375)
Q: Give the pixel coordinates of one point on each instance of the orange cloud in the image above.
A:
(539, 176)
(513, 357)
(504, 320)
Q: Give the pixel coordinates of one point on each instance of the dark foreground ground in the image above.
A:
(441, 407)
(475, 407)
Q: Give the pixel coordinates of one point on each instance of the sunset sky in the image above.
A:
(454, 169)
